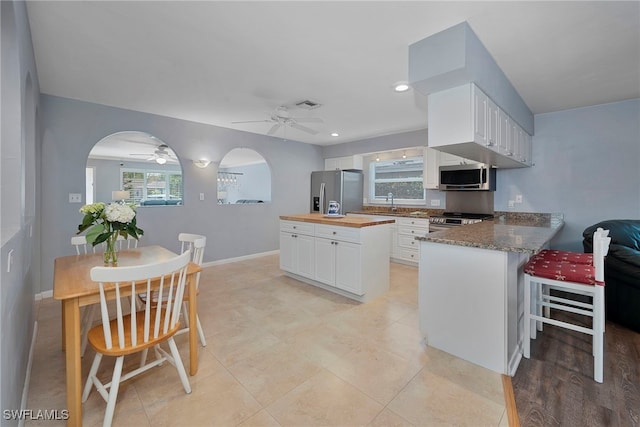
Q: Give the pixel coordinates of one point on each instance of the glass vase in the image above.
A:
(110, 255)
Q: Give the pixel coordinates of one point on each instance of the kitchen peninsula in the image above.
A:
(471, 287)
(347, 255)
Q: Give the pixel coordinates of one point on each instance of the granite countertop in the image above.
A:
(401, 211)
(504, 233)
(344, 221)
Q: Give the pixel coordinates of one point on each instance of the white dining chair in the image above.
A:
(137, 331)
(196, 244)
(128, 242)
(542, 275)
(89, 312)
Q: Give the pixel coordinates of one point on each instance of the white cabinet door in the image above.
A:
(480, 110)
(287, 252)
(493, 126)
(348, 267)
(431, 172)
(347, 162)
(325, 261)
(305, 255)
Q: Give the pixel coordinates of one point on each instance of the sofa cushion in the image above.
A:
(625, 232)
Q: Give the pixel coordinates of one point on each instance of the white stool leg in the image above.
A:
(598, 334)
(544, 291)
(527, 316)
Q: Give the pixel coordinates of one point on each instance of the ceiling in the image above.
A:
(219, 62)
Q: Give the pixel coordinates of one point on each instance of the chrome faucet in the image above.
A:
(390, 196)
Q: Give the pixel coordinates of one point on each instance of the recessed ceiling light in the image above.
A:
(335, 134)
(401, 87)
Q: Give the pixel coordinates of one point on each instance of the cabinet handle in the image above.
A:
(412, 231)
(334, 233)
(294, 227)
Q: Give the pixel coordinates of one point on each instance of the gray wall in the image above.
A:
(20, 205)
(254, 183)
(586, 167)
(71, 128)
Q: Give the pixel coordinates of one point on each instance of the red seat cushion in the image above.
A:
(565, 256)
(562, 271)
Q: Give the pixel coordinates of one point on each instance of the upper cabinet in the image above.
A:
(348, 162)
(465, 122)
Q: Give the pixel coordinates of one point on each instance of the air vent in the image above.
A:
(308, 105)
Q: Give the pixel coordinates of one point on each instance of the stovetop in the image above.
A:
(459, 218)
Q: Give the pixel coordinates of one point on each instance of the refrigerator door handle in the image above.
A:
(322, 198)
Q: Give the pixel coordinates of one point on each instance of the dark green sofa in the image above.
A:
(621, 270)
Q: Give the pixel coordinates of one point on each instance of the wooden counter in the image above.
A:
(346, 221)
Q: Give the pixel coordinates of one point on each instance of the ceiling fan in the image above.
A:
(160, 155)
(280, 117)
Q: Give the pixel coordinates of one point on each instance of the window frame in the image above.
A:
(382, 200)
(145, 190)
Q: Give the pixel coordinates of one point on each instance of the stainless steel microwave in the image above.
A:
(473, 177)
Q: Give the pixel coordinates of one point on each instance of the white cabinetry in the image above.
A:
(337, 255)
(465, 122)
(348, 162)
(408, 246)
(350, 261)
(297, 248)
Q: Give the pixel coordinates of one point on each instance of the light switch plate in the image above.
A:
(435, 202)
(75, 198)
(201, 196)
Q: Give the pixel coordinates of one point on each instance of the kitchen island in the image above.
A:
(470, 292)
(347, 255)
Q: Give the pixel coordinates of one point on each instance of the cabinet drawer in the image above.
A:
(412, 231)
(409, 255)
(347, 234)
(405, 241)
(297, 227)
(414, 222)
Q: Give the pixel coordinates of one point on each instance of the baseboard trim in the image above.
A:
(27, 377)
(44, 295)
(510, 401)
(240, 258)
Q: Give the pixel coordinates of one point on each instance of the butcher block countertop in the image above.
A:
(346, 221)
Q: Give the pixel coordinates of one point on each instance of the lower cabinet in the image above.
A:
(336, 264)
(353, 262)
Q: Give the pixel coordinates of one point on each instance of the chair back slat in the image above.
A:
(161, 314)
(128, 242)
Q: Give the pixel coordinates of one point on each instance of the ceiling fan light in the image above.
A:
(161, 160)
(335, 134)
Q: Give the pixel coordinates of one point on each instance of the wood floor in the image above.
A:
(555, 387)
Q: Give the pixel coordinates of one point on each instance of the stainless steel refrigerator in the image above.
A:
(343, 186)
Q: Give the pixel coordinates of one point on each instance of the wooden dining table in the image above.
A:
(73, 286)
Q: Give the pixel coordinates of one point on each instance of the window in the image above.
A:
(147, 186)
(402, 177)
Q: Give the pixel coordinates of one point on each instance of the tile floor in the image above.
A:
(283, 353)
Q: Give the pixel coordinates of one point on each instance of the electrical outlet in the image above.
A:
(201, 196)
(518, 198)
(75, 198)
(435, 202)
(511, 203)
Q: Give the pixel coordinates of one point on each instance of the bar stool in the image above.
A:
(572, 278)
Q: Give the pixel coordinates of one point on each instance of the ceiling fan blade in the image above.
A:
(303, 128)
(253, 121)
(274, 129)
(308, 119)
